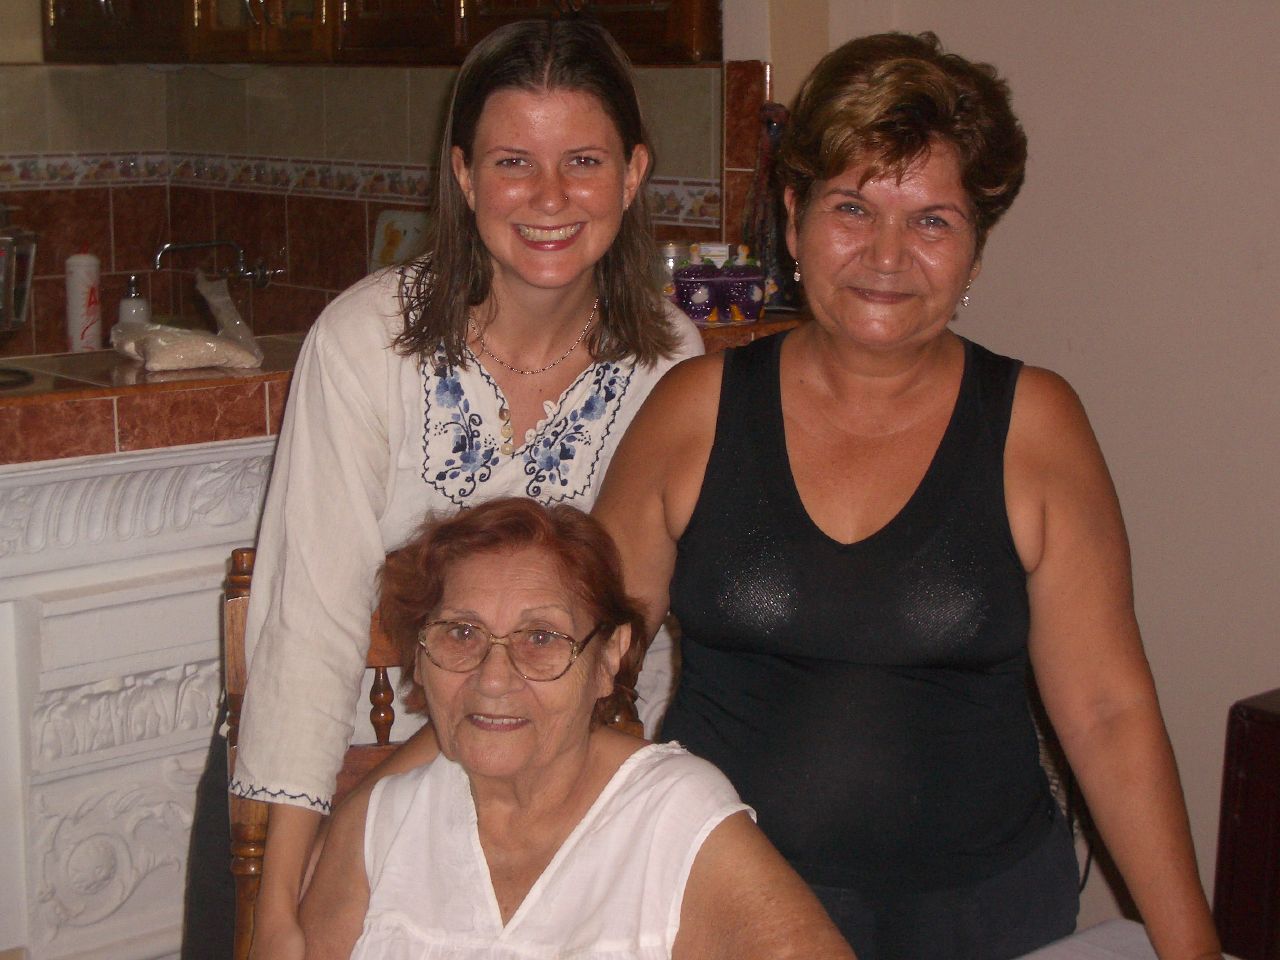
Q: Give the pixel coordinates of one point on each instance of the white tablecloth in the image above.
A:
(1112, 940)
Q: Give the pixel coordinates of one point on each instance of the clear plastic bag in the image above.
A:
(162, 347)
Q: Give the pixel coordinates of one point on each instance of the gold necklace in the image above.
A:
(485, 351)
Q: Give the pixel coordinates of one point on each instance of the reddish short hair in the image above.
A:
(884, 100)
(413, 577)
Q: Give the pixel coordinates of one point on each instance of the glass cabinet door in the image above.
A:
(651, 31)
(409, 31)
(295, 29)
(88, 31)
(81, 30)
(226, 29)
(150, 31)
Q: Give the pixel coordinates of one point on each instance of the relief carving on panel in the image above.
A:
(93, 850)
(119, 711)
(125, 506)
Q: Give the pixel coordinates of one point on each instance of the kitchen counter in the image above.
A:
(81, 404)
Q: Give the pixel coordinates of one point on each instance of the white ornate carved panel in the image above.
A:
(110, 576)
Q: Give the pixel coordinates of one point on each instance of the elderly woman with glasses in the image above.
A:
(539, 830)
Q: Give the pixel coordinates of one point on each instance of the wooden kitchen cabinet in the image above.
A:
(399, 31)
(442, 31)
(274, 31)
(113, 31)
(650, 31)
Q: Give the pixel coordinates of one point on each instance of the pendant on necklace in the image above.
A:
(507, 431)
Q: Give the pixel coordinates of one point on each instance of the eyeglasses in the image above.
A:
(536, 654)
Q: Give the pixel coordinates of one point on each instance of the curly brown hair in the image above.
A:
(412, 581)
(439, 290)
(884, 100)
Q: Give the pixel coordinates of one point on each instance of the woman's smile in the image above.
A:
(549, 238)
(496, 723)
(872, 295)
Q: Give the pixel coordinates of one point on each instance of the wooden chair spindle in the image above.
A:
(383, 714)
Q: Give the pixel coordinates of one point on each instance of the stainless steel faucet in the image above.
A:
(259, 274)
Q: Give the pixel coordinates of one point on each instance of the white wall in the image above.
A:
(1141, 263)
(745, 33)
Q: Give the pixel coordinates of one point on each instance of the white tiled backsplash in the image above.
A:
(369, 115)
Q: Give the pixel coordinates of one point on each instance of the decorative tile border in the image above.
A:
(672, 200)
(323, 178)
(43, 171)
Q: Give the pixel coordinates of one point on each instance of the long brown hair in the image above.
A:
(439, 290)
(577, 547)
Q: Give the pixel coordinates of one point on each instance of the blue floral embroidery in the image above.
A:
(461, 450)
(454, 429)
(593, 409)
(551, 462)
(449, 390)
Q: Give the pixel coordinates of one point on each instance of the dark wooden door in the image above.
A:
(226, 30)
(399, 31)
(295, 31)
(651, 31)
(106, 31)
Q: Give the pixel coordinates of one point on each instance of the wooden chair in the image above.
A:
(249, 817)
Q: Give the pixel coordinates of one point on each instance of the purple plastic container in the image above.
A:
(698, 292)
(742, 292)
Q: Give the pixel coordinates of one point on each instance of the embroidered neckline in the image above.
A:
(462, 442)
(550, 408)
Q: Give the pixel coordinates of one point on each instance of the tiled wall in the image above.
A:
(383, 115)
(322, 242)
(141, 420)
(294, 165)
(746, 88)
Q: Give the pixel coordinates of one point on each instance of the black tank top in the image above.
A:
(869, 700)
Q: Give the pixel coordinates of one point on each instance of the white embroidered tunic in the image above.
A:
(613, 891)
(372, 441)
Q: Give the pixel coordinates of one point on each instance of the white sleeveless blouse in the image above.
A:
(612, 892)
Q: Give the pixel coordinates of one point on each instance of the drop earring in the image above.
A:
(964, 297)
(796, 276)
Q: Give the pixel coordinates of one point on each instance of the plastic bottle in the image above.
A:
(134, 307)
(84, 303)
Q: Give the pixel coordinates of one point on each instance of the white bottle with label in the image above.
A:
(84, 303)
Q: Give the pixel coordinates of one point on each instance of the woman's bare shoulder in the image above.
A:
(691, 385)
(677, 420)
(1048, 419)
(1055, 476)
(744, 901)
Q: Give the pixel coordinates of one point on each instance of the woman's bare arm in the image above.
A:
(1089, 662)
(744, 902)
(276, 933)
(297, 839)
(655, 477)
(332, 911)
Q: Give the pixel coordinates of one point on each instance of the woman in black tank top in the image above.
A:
(871, 530)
